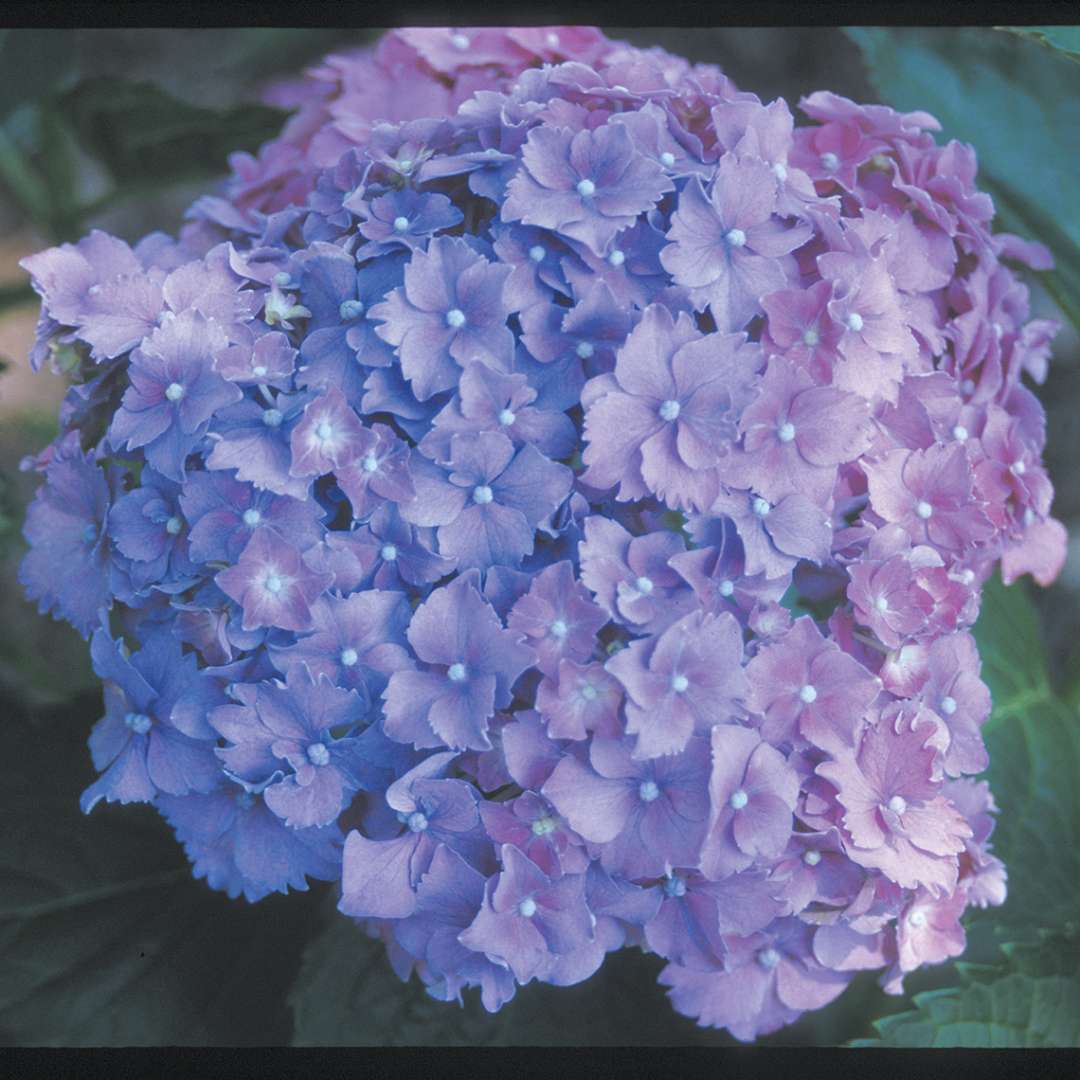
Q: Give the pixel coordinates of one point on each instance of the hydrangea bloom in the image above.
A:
(430, 500)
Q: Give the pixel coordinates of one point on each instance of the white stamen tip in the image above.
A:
(401, 224)
(349, 657)
(780, 171)
(854, 322)
(760, 506)
(726, 587)
(272, 417)
(370, 462)
(917, 918)
(786, 432)
(584, 350)
(808, 695)
(768, 958)
(924, 509)
(948, 705)
(811, 337)
(667, 159)
(273, 584)
(738, 799)
(679, 683)
(460, 42)
(537, 253)
(455, 318)
(456, 672)
(543, 826)
(644, 585)
(811, 857)
(882, 604)
(174, 391)
(482, 494)
(829, 161)
(960, 433)
(585, 188)
(589, 692)
(173, 526)
(897, 804)
(388, 552)
(527, 907)
(669, 410)
(648, 791)
(318, 754)
(416, 821)
(559, 629)
(251, 517)
(140, 723)
(507, 417)
(735, 237)
(616, 258)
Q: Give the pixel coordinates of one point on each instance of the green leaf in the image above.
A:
(105, 939)
(1033, 739)
(1018, 104)
(1063, 39)
(1035, 1001)
(144, 136)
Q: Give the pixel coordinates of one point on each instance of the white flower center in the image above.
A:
(507, 417)
(675, 886)
(924, 509)
(251, 517)
(780, 171)
(527, 907)
(173, 526)
(854, 322)
(881, 603)
(760, 506)
(1018, 468)
(456, 672)
(768, 958)
(811, 857)
(738, 799)
(416, 821)
(138, 722)
(370, 462)
(318, 754)
(273, 583)
(543, 826)
(735, 237)
(455, 318)
(324, 431)
(786, 432)
(829, 161)
(917, 918)
(388, 552)
(679, 683)
(960, 433)
(537, 253)
(648, 791)
(616, 258)
(589, 692)
(897, 804)
(948, 705)
(667, 159)
(482, 494)
(174, 391)
(349, 310)
(559, 629)
(552, 40)
(643, 585)
(584, 350)
(272, 417)
(460, 42)
(349, 657)
(585, 188)
(726, 587)
(810, 337)
(259, 370)
(808, 695)
(669, 410)
(401, 224)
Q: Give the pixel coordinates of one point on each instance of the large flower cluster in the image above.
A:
(435, 506)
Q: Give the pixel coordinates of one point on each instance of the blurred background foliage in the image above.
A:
(105, 939)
